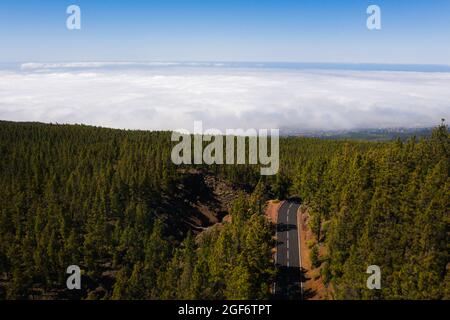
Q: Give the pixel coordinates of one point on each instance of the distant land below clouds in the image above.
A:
(383, 134)
(298, 98)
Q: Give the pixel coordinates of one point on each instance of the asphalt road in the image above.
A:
(288, 261)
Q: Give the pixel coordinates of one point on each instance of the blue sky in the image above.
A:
(413, 31)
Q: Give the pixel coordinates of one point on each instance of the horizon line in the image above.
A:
(225, 61)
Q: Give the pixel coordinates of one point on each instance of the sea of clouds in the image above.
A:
(170, 96)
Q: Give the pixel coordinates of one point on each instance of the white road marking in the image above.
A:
(288, 258)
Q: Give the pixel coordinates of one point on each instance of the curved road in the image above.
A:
(288, 260)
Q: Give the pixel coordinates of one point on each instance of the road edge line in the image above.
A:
(299, 228)
(276, 241)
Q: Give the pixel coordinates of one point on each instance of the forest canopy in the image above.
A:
(104, 199)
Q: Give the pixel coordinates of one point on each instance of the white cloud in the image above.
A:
(173, 98)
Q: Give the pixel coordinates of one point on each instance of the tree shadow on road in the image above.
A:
(281, 227)
(288, 284)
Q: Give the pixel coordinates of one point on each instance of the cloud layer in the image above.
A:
(162, 98)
